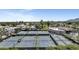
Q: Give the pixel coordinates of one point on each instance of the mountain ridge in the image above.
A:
(73, 20)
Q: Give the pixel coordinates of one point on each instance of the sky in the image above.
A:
(10, 15)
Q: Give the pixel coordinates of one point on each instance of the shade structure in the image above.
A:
(33, 33)
(10, 42)
(61, 40)
(34, 39)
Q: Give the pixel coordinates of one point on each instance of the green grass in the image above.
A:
(67, 47)
(59, 47)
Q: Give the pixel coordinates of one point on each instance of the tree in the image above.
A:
(48, 23)
(41, 22)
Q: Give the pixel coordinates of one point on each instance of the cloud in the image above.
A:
(17, 15)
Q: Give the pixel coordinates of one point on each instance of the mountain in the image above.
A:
(73, 20)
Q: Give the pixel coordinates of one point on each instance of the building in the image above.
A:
(56, 30)
(9, 30)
